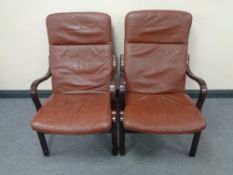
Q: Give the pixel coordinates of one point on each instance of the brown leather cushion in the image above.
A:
(80, 52)
(74, 114)
(156, 51)
(158, 26)
(79, 28)
(155, 68)
(81, 69)
(162, 113)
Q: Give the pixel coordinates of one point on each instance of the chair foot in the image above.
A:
(43, 143)
(122, 151)
(122, 140)
(114, 139)
(114, 151)
(114, 146)
(194, 145)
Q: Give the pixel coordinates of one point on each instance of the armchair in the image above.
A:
(152, 85)
(81, 65)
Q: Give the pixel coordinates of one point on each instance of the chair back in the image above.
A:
(80, 52)
(156, 43)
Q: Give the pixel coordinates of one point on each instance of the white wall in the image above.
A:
(24, 48)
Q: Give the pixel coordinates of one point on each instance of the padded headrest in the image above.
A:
(158, 26)
(78, 28)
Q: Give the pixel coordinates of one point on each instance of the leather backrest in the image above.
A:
(80, 52)
(156, 44)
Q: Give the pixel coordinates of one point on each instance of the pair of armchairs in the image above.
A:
(148, 97)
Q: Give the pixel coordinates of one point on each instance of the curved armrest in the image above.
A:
(33, 89)
(113, 93)
(121, 85)
(203, 87)
(122, 63)
(113, 84)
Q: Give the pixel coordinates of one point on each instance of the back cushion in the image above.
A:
(156, 51)
(80, 52)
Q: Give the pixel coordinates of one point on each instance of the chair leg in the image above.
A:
(43, 143)
(114, 139)
(194, 146)
(122, 139)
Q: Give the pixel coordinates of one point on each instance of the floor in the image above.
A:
(20, 152)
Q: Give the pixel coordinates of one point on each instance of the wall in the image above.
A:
(24, 48)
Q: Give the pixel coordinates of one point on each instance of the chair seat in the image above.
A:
(74, 114)
(162, 113)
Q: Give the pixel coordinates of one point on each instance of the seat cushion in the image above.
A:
(162, 113)
(74, 114)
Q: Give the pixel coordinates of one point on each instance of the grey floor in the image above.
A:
(20, 152)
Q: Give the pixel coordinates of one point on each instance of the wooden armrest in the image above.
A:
(203, 87)
(122, 87)
(33, 89)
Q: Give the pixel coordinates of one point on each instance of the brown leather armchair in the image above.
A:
(81, 66)
(153, 69)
